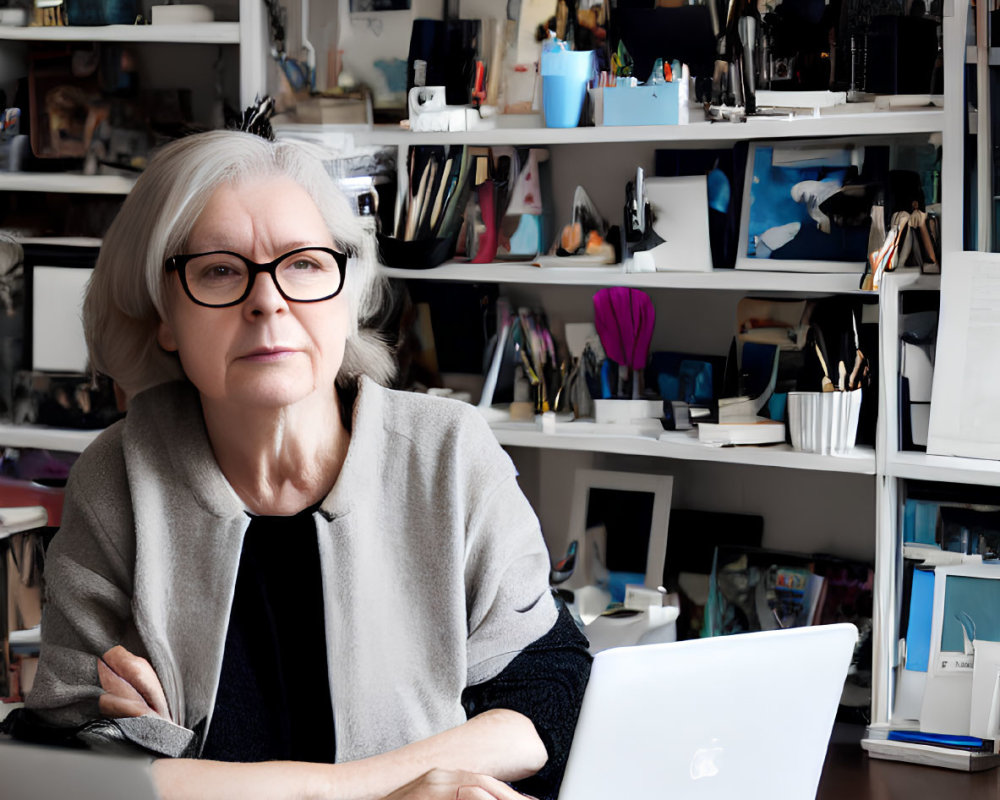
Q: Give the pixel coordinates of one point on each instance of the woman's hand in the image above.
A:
(131, 686)
(448, 784)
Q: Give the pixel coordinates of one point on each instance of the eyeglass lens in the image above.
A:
(221, 278)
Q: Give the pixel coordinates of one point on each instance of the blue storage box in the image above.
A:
(659, 104)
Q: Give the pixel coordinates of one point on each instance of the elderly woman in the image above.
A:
(273, 558)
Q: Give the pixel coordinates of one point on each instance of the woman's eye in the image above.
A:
(305, 264)
(219, 272)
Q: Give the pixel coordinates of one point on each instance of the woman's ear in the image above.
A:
(165, 337)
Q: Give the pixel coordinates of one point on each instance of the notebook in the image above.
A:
(744, 716)
(33, 772)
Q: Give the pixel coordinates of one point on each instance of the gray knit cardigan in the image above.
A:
(434, 570)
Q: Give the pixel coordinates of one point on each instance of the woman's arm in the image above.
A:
(545, 683)
(499, 743)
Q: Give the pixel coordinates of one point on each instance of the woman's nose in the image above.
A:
(264, 297)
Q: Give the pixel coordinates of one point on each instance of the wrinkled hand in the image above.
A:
(444, 784)
(131, 686)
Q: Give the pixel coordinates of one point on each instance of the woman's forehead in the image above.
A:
(268, 210)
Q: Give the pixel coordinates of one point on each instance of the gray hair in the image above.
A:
(126, 297)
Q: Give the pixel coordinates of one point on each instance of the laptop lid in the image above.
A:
(34, 772)
(745, 716)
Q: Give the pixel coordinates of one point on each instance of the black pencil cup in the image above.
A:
(416, 254)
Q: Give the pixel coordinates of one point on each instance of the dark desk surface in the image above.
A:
(850, 773)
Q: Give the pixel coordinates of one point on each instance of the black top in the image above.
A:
(273, 700)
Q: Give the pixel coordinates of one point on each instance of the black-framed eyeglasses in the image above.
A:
(222, 278)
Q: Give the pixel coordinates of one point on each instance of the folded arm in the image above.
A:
(499, 743)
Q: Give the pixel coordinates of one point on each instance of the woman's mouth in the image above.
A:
(267, 354)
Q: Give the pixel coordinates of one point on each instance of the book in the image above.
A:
(762, 431)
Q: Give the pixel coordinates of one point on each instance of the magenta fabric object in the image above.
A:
(624, 319)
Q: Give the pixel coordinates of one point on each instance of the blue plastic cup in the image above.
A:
(565, 75)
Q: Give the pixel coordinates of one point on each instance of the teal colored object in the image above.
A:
(101, 12)
(670, 386)
(618, 580)
(920, 521)
(718, 190)
(527, 239)
(776, 405)
(565, 75)
(973, 603)
(394, 70)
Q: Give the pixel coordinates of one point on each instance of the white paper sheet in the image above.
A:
(965, 420)
(57, 343)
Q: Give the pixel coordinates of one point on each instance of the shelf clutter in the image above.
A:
(866, 116)
(597, 384)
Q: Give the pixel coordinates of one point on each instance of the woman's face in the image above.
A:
(266, 351)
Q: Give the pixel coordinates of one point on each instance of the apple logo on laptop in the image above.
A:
(705, 763)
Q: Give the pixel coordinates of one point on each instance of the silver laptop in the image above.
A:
(33, 772)
(744, 716)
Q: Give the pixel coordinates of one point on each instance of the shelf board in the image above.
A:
(947, 469)
(62, 241)
(64, 182)
(194, 33)
(528, 130)
(684, 446)
(45, 438)
(718, 279)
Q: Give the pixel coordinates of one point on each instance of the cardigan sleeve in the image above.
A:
(508, 601)
(88, 594)
(88, 586)
(546, 683)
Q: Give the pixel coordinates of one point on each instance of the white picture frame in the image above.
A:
(584, 480)
(833, 154)
(679, 207)
(947, 699)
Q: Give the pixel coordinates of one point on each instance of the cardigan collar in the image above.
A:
(169, 418)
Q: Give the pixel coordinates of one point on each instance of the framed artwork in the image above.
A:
(619, 521)
(804, 209)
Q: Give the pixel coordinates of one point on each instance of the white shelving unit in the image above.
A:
(946, 469)
(686, 447)
(881, 469)
(716, 280)
(528, 130)
(896, 467)
(195, 33)
(864, 467)
(44, 438)
(65, 182)
(248, 34)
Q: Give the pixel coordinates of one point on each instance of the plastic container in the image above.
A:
(565, 75)
(824, 422)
